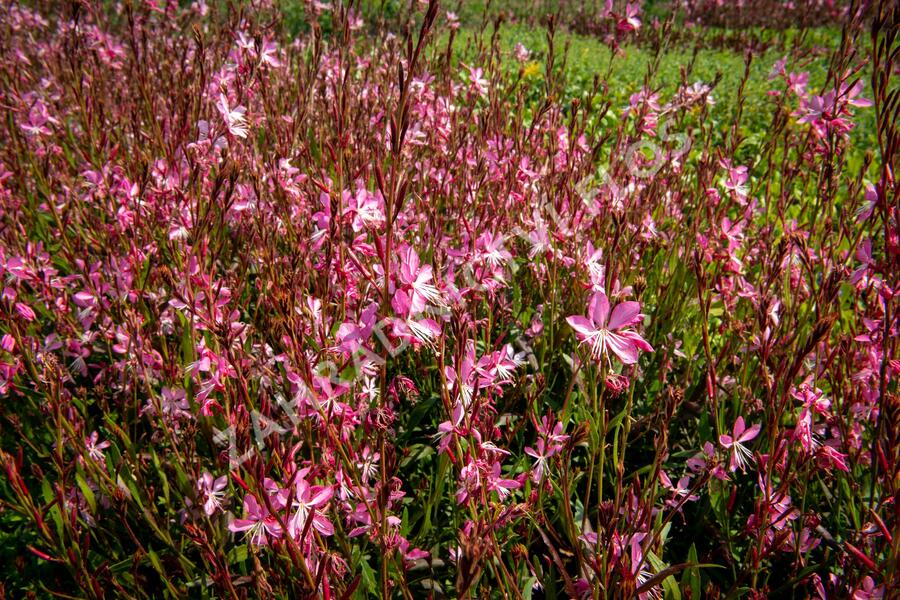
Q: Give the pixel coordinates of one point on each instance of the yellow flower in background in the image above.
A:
(532, 69)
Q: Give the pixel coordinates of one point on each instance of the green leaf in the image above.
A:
(528, 587)
(162, 475)
(369, 582)
(691, 577)
(238, 554)
(86, 491)
(55, 512)
(669, 585)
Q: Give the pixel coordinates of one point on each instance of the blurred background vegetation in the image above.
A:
(715, 53)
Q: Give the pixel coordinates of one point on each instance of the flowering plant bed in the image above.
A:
(350, 300)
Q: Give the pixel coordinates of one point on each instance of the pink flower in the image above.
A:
(95, 447)
(521, 52)
(8, 343)
(479, 83)
(851, 95)
(212, 491)
(497, 483)
(412, 328)
(490, 250)
(463, 383)
(868, 207)
(797, 83)
(736, 181)
(681, 492)
(259, 523)
(268, 55)
(868, 590)
(778, 69)
(605, 331)
(25, 311)
(630, 21)
(540, 455)
(640, 566)
(554, 434)
(38, 120)
(418, 279)
(828, 457)
(740, 455)
(816, 107)
(234, 117)
(308, 500)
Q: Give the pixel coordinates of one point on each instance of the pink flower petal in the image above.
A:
(624, 314)
(623, 348)
(599, 308)
(581, 324)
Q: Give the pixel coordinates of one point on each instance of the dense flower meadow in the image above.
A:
(333, 301)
